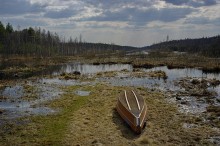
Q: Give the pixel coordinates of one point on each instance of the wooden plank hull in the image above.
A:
(133, 110)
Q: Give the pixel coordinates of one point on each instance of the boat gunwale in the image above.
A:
(126, 117)
(136, 99)
(133, 113)
(132, 123)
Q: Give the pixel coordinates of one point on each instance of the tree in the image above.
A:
(167, 38)
(9, 28)
(2, 32)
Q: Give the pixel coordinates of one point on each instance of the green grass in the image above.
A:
(46, 130)
(55, 126)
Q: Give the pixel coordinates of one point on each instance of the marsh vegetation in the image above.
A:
(74, 103)
(57, 92)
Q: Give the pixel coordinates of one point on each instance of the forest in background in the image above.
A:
(206, 46)
(41, 43)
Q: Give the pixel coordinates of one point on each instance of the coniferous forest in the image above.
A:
(206, 46)
(41, 43)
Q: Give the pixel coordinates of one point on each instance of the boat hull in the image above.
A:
(137, 120)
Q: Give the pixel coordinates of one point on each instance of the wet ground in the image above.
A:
(17, 101)
(28, 97)
(12, 96)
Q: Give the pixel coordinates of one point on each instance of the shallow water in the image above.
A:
(91, 69)
(174, 74)
(168, 84)
(193, 105)
(63, 82)
(49, 89)
(16, 105)
(82, 93)
(13, 91)
(143, 82)
(190, 104)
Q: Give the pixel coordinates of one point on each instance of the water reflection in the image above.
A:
(91, 69)
(174, 74)
(168, 84)
(170, 87)
(49, 89)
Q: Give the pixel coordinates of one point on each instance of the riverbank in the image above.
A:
(170, 59)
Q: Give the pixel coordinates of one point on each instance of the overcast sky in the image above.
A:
(123, 22)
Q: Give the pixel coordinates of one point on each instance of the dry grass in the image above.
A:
(93, 120)
(178, 61)
(99, 123)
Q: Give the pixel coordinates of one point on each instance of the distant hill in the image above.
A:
(207, 46)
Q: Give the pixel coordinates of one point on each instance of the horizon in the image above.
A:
(126, 23)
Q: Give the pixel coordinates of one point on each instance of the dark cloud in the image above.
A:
(193, 3)
(135, 13)
(202, 21)
(16, 7)
(66, 13)
(141, 17)
(177, 2)
(123, 10)
(210, 2)
(24, 22)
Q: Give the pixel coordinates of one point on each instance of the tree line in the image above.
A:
(207, 46)
(39, 42)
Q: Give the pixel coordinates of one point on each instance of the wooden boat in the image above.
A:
(133, 110)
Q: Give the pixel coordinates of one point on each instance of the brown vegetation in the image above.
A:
(93, 120)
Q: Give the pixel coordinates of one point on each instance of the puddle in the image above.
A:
(15, 104)
(63, 82)
(192, 105)
(13, 92)
(82, 93)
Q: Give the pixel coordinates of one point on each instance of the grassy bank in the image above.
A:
(93, 120)
(44, 130)
(172, 60)
(169, 59)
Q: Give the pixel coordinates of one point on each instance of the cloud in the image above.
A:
(24, 22)
(66, 13)
(120, 20)
(17, 7)
(140, 17)
(193, 3)
(203, 21)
